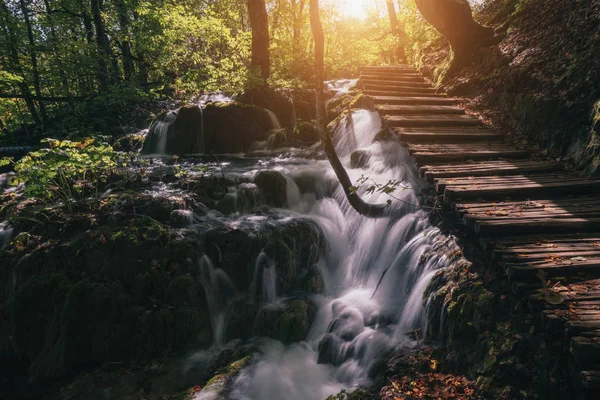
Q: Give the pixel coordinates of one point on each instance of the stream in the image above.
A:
(375, 273)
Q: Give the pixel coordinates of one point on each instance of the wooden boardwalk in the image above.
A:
(530, 214)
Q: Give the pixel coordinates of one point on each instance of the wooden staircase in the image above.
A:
(530, 214)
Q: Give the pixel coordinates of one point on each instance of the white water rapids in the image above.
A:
(361, 316)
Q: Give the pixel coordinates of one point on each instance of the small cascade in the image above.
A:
(340, 87)
(219, 289)
(6, 232)
(356, 131)
(160, 130)
(275, 124)
(213, 98)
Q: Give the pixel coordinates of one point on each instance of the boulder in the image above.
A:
(217, 128)
(288, 323)
(130, 142)
(272, 185)
(306, 133)
(278, 101)
(305, 104)
(359, 159)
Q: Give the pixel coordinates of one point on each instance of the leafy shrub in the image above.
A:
(67, 170)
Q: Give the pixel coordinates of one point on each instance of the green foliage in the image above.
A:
(67, 170)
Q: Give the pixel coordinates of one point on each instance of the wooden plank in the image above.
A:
(553, 268)
(585, 351)
(501, 167)
(541, 203)
(389, 81)
(550, 255)
(431, 120)
(407, 92)
(401, 86)
(536, 225)
(590, 379)
(450, 137)
(417, 110)
(484, 181)
(444, 157)
(531, 188)
(412, 100)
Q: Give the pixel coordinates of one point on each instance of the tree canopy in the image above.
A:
(55, 54)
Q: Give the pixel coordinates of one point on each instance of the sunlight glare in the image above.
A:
(355, 8)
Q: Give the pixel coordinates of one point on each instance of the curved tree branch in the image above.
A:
(369, 210)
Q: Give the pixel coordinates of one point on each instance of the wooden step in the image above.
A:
(398, 89)
(401, 85)
(388, 69)
(551, 267)
(392, 81)
(415, 100)
(507, 242)
(418, 110)
(532, 186)
(400, 94)
(387, 81)
(445, 135)
(433, 120)
(477, 181)
(500, 167)
(461, 152)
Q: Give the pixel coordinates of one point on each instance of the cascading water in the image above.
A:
(275, 124)
(375, 273)
(6, 232)
(340, 87)
(213, 98)
(161, 129)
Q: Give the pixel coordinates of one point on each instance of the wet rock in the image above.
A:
(246, 197)
(329, 350)
(278, 101)
(305, 104)
(289, 323)
(131, 142)
(181, 218)
(312, 281)
(359, 159)
(306, 133)
(272, 185)
(347, 324)
(227, 205)
(217, 128)
(277, 139)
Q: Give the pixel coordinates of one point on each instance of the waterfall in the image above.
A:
(6, 232)
(274, 120)
(340, 87)
(161, 130)
(218, 289)
(375, 271)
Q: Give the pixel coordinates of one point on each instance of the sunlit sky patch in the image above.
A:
(355, 8)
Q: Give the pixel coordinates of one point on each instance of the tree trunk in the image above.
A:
(102, 50)
(128, 66)
(397, 32)
(354, 199)
(34, 64)
(454, 20)
(54, 40)
(143, 74)
(14, 61)
(259, 22)
(297, 11)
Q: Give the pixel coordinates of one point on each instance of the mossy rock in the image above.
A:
(272, 185)
(287, 324)
(132, 142)
(307, 132)
(359, 159)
